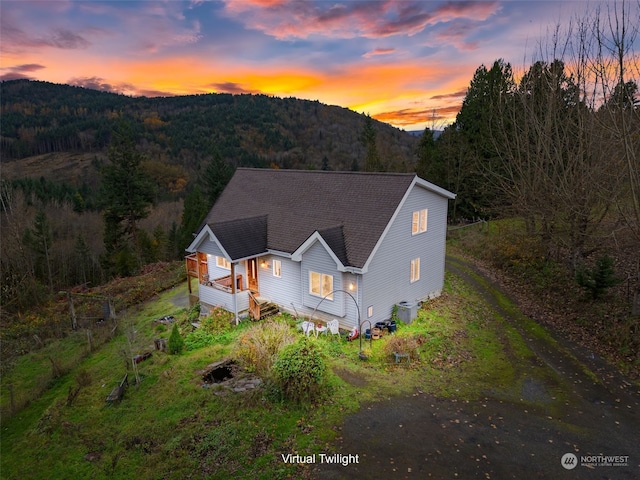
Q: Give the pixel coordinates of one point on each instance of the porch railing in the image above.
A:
(254, 307)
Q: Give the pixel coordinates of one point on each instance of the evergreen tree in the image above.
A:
(176, 342)
(427, 164)
(215, 178)
(475, 124)
(193, 213)
(39, 240)
(372, 162)
(82, 254)
(126, 195)
(174, 242)
(597, 279)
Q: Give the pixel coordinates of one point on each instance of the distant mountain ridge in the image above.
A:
(41, 118)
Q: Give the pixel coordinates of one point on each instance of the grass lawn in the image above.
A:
(169, 426)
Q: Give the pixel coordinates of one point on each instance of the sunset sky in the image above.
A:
(402, 62)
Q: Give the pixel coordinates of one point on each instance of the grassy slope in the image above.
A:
(171, 427)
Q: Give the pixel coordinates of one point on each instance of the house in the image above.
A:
(344, 245)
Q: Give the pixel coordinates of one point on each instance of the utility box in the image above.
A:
(407, 311)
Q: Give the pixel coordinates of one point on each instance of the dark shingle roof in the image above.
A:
(350, 210)
(243, 237)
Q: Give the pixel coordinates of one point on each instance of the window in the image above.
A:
(415, 270)
(321, 285)
(277, 268)
(223, 263)
(419, 222)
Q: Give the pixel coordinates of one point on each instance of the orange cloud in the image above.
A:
(411, 117)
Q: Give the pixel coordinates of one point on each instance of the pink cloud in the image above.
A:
(122, 88)
(373, 19)
(18, 72)
(232, 87)
(471, 10)
(16, 39)
(456, 34)
(379, 51)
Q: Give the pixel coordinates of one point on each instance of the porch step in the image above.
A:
(268, 309)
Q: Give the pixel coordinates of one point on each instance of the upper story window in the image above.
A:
(321, 285)
(277, 268)
(223, 263)
(419, 222)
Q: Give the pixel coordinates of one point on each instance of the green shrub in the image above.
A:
(218, 321)
(300, 370)
(176, 343)
(258, 347)
(199, 338)
(597, 279)
(194, 312)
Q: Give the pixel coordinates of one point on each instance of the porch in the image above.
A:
(218, 295)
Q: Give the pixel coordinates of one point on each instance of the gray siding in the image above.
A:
(218, 298)
(388, 280)
(207, 246)
(283, 290)
(211, 248)
(350, 318)
(317, 259)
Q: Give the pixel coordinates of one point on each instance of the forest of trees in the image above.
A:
(247, 130)
(557, 144)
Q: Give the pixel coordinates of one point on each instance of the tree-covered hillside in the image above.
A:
(68, 153)
(246, 130)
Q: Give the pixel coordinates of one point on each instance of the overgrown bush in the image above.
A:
(299, 372)
(176, 343)
(258, 347)
(598, 278)
(194, 312)
(218, 321)
(402, 343)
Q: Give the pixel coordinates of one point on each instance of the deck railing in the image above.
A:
(254, 307)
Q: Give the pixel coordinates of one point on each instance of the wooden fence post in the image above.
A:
(72, 312)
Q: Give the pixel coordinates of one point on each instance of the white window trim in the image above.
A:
(277, 268)
(322, 293)
(222, 262)
(419, 221)
(415, 270)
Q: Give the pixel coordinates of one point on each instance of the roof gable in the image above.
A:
(242, 238)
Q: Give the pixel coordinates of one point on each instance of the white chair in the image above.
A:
(307, 328)
(333, 327)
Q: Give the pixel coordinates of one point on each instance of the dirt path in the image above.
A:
(421, 436)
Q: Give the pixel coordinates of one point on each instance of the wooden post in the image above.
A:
(89, 340)
(72, 312)
(233, 292)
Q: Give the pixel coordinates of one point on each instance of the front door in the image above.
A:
(252, 274)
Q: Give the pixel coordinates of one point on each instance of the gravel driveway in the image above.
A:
(422, 436)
